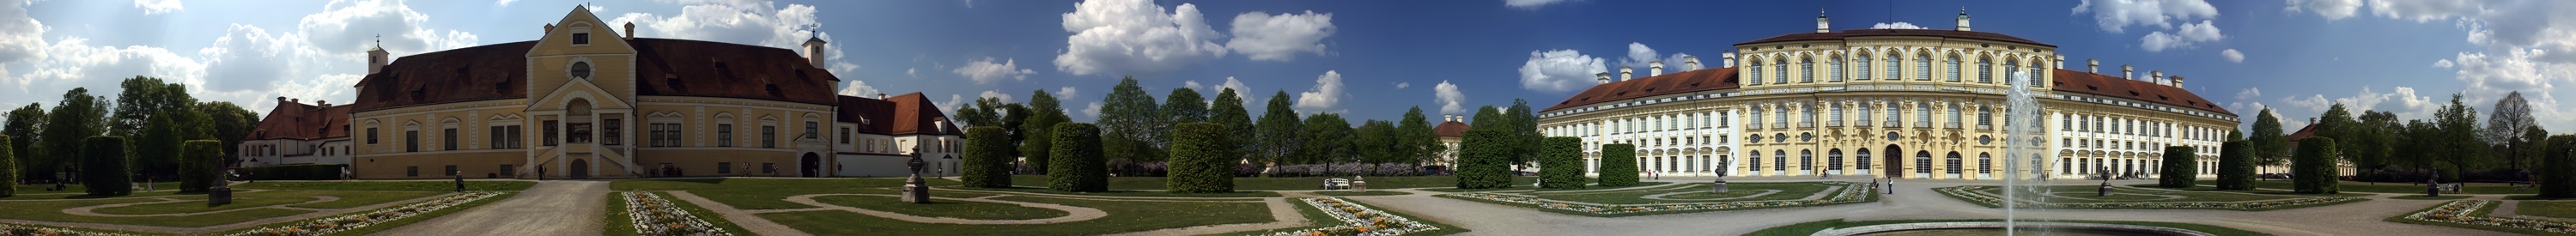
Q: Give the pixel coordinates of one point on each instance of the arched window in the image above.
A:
(2036, 72)
(1757, 72)
(1806, 160)
(1753, 162)
(1922, 66)
(2012, 66)
(1834, 160)
(1923, 163)
(1806, 70)
(1864, 112)
(1953, 163)
(1954, 68)
(1782, 163)
(1861, 70)
(1780, 69)
(1985, 164)
(1985, 70)
(1836, 73)
(1894, 72)
(1862, 162)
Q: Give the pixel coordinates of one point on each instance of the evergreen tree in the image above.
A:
(2179, 169)
(73, 120)
(2268, 142)
(2236, 165)
(1044, 114)
(1482, 162)
(1278, 131)
(1336, 149)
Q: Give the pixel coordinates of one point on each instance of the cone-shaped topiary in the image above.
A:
(103, 167)
(1202, 158)
(197, 163)
(1076, 164)
(8, 170)
(2179, 171)
(2558, 167)
(1560, 163)
(2314, 168)
(2236, 166)
(1618, 165)
(988, 162)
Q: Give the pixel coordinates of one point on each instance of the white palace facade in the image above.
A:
(1887, 103)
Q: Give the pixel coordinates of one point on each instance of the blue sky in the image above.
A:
(1367, 59)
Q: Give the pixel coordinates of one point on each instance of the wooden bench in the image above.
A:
(1331, 184)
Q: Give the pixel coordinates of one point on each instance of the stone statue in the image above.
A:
(914, 191)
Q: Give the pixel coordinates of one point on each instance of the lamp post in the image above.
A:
(914, 191)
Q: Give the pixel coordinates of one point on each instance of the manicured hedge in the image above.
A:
(1202, 158)
(1484, 159)
(2558, 169)
(1076, 164)
(1618, 165)
(2314, 168)
(2179, 169)
(103, 167)
(295, 172)
(197, 164)
(1560, 163)
(987, 164)
(2236, 166)
(8, 169)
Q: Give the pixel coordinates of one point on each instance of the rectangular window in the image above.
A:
(811, 131)
(768, 136)
(724, 167)
(768, 168)
(845, 135)
(411, 141)
(518, 138)
(614, 135)
(451, 170)
(551, 128)
(724, 135)
(498, 142)
(450, 139)
(580, 38)
(506, 169)
(371, 135)
(411, 171)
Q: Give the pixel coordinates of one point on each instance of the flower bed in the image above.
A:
(1358, 220)
(654, 215)
(346, 222)
(1849, 193)
(2466, 212)
(13, 229)
(1970, 193)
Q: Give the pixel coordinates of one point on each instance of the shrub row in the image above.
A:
(295, 172)
(1347, 169)
(2558, 168)
(197, 164)
(8, 169)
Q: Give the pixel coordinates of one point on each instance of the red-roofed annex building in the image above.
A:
(1887, 103)
(585, 102)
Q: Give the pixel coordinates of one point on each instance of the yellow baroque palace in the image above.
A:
(585, 101)
(1888, 103)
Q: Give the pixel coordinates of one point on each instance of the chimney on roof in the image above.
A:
(322, 103)
(295, 100)
(2157, 76)
(1729, 58)
(1657, 68)
(281, 100)
(2176, 81)
(2092, 65)
(1963, 19)
(2127, 72)
(1690, 63)
(880, 96)
(2061, 61)
(1626, 72)
(1603, 77)
(550, 28)
(1821, 26)
(630, 30)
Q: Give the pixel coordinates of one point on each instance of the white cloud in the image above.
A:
(1559, 70)
(1401, 85)
(1092, 110)
(1326, 95)
(859, 88)
(1265, 37)
(1529, 4)
(1135, 37)
(158, 6)
(2117, 15)
(1639, 56)
(2330, 9)
(2490, 77)
(2190, 34)
(913, 72)
(954, 101)
(743, 22)
(501, 2)
(2402, 101)
(1067, 93)
(1240, 91)
(2249, 93)
(1449, 98)
(997, 94)
(986, 72)
(2444, 63)
(1193, 85)
(351, 27)
(21, 37)
(1897, 25)
(2232, 55)
(248, 58)
(2314, 103)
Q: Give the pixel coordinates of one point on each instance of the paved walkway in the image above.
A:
(551, 208)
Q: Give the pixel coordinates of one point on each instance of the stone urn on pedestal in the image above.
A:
(914, 191)
(1718, 186)
(2432, 188)
(1359, 184)
(221, 191)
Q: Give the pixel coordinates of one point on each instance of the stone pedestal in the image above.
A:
(916, 192)
(2106, 190)
(1720, 187)
(219, 196)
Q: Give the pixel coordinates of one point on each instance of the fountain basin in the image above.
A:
(1997, 228)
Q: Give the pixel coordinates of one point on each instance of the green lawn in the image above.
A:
(2422, 197)
(52, 211)
(372, 228)
(1280, 183)
(2214, 188)
(950, 209)
(1124, 216)
(350, 199)
(1368, 193)
(1802, 229)
(1126, 193)
(2086, 194)
(200, 206)
(418, 186)
(2547, 208)
(1788, 191)
(2369, 187)
(620, 220)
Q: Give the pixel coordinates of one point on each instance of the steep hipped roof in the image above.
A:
(664, 67)
(1672, 83)
(2104, 85)
(300, 121)
(2304, 133)
(906, 114)
(1451, 129)
(1978, 35)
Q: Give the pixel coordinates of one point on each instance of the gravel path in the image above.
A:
(748, 220)
(562, 207)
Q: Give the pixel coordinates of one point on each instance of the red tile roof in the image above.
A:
(1451, 129)
(300, 121)
(1670, 83)
(2304, 133)
(2110, 86)
(906, 114)
(1978, 35)
(665, 67)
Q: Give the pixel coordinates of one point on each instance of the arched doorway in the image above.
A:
(580, 169)
(813, 165)
(1895, 167)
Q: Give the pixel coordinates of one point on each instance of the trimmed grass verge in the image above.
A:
(1802, 229)
(1124, 216)
(415, 186)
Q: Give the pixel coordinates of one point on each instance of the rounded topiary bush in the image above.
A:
(1075, 163)
(1202, 159)
(1484, 159)
(987, 163)
(2313, 170)
(2558, 167)
(103, 167)
(1618, 165)
(197, 164)
(2179, 171)
(2236, 166)
(8, 170)
(1560, 163)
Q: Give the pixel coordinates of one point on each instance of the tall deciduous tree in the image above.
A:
(1375, 142)
(2371, 140)
(2268, 143)
(1128, 112)
(2457, 136)
(1044, 114)
(25, 123)
(158, 149)
(1184, 105)
(1013, 115)
(229, 123)
(1278, 131)
(73, 120)
(1415, 138)
(1331, 143)
(1523, 123)
(2337, 122)
(198, 162)
(2505, 127)
(143, 98)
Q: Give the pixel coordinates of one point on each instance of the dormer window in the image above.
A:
(580, 38)
(581, 70)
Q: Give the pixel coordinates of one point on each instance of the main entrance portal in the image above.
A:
(1894, 164)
